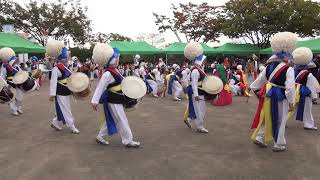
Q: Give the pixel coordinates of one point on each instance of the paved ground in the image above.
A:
(31, 150)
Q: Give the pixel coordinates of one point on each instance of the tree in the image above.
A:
(59, 20)
(154, 39)
(104, 38)
(257, 20)
(196, 22)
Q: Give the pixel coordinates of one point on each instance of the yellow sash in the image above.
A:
(265, 117)
(116, 88)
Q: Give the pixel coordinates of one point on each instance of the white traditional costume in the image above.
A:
(10, 67)
(307, 87)
(108, 93)
(277, 88)
(196, 108)
(58, 87)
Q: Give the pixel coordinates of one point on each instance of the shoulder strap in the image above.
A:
(116, 75)
(278, 70)
(302, 74)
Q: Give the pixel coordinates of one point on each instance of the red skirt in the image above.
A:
(224, 98)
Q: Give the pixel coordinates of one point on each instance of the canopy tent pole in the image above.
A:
(166, 58)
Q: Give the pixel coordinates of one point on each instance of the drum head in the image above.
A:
(212, 85)
(78, 82)
(133, 87)
(20, 77)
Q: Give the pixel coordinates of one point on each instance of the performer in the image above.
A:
(196, 108)
(10, 66)
(173, 82)
(59, 91)
(108, 93)
(234, 82)
(243, 81)
(225, 96)
(275, 87)
(34, 67)
(136, 63)
(307, 86)
(152, 79)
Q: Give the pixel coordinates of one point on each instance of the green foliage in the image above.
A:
(59, 20)
(257, 20)
(104, 38)
(196, 22)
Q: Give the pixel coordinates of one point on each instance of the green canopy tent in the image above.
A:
(19, 44)
(237, 49)
(131, 48)
(177, 48)
(313, 44)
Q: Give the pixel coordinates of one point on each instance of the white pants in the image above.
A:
(154, 86)
(308, 120)
(235, 89)
(65, 107)
(120, 118)
(16, 104)
(177, 88)
(282, 111)
(200, 109)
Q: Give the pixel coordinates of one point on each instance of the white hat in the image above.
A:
(74, 58)
(78, 82)
(239, 67)
(302, 56)
(193, 50)
(6, 54)
(137, 56)
(54, 48)
(20, 77)
(212, 84)
(283, 42)
(102, 53)
(133, 87)
(174, 66)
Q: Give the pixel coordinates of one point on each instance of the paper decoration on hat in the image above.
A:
(6, 54)
(283, 42)
(102, 53)
(56, 49)
(193, 50)
(302, 56)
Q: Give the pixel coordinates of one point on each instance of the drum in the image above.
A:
(37, 73)
(6, 95)
(79, 84)
(209, 97)
(133, 89)
(24, 82)
(29, 85)
(82, 94)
